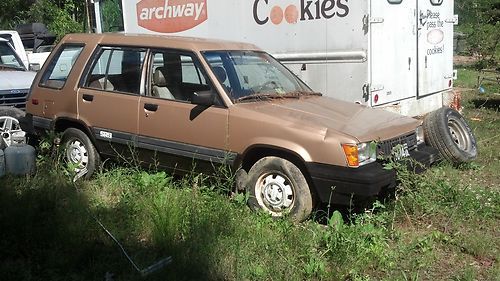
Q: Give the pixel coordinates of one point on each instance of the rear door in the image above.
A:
(109, 98)
(393, 51)
(435, 46)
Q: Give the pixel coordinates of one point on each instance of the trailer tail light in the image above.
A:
(375, 98)
(34, 101)
(450, 83)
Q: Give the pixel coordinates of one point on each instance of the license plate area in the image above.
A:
(400, 151)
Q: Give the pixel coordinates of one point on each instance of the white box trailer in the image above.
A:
(395, 54)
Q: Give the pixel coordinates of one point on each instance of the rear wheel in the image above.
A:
(278, 187)
(80, 153)
(446, 130)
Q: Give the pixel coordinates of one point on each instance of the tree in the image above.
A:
(480, 21)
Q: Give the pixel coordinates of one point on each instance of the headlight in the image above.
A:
(420, 135)
(360, 154)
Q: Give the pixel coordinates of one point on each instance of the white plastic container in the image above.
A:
(20, 159)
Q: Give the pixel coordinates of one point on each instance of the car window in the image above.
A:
(60, 66)
(176, 76)
(117, 70)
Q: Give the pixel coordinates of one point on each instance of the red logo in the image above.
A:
(170, 16)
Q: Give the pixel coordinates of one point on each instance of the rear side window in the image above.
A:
(60, 66)
(117, 70)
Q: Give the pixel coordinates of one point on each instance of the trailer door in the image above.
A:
(435, 46)
(393, 51)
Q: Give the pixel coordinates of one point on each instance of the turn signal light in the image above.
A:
(351, 154)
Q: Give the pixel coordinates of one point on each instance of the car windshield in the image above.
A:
(252, 75)
(8, 57)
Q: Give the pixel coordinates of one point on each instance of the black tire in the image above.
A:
(80, 151)
(446, 130)
(278, 187)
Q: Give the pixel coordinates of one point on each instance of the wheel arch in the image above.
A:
(63, 123)
(259, 151)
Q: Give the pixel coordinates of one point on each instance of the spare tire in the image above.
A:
(446, 130)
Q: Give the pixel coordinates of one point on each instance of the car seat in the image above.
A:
(160, 85)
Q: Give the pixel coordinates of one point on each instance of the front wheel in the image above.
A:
(80, 153)
(278, 187)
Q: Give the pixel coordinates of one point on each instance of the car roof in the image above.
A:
(157, 41)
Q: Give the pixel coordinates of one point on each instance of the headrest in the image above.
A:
(159, 77)
(220, 72)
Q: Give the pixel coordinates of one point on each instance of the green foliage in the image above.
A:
(57, 19)
(61, 17)
(112, 16)
(480, 21)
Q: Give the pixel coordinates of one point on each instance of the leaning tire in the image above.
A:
(80, 152)
(446, 130)
(278, 187)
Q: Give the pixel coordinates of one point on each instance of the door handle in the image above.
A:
(87, 97)
(150, 107)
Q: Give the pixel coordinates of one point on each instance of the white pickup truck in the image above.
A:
(31, 60)
(15, 79)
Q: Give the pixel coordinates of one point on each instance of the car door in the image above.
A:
(173, 132)
(108, 98)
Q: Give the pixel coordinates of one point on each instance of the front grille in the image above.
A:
(384, 148)
(16, 98)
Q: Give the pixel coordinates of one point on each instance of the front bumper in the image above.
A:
(342, 185)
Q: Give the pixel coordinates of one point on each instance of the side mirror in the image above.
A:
(34, 67)
(205, 98)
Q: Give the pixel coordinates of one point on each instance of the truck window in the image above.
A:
(8, 58)
(117, 70)
(60, 66)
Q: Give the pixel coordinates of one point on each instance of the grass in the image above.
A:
(441, 225)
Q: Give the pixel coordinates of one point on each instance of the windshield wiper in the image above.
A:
(258, 96)
(301, 93)
(267, 96)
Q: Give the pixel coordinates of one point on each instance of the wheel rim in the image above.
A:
(459, 134)
(77, 154)
(10, 125)
(275, 193)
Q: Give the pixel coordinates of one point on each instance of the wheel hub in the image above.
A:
(277, 192)
(459, 136)
(77, 154)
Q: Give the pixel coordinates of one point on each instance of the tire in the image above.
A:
(80, 151)
(279, 188)
(446, 130)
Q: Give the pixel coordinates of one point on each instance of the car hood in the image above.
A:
(331, 116)
(16, 80)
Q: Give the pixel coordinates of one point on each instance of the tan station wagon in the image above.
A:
(188, 103)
